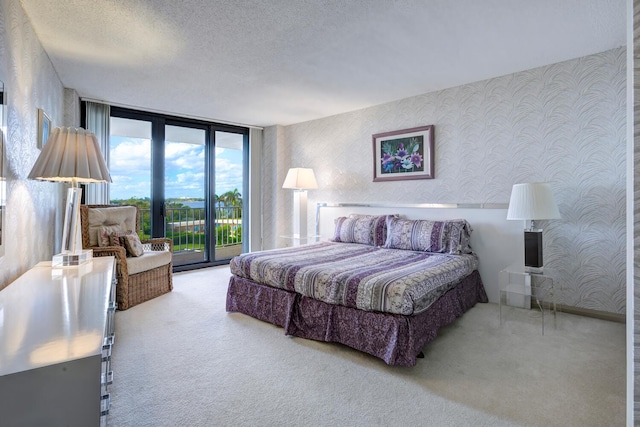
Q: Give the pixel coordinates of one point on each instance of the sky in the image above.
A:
(130, 168)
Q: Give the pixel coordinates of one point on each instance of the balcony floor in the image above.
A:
(192, 257)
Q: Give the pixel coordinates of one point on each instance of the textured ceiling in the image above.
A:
(265, 62)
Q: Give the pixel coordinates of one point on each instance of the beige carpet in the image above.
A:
(181, 360)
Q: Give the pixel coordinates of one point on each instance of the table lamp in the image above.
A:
(531, 202)
(300, 180)
(71, 155)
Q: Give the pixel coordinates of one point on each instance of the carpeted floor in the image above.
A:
(182, 360)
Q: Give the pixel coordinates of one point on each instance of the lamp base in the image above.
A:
(533, 249)
(69, 259)
(533, 270)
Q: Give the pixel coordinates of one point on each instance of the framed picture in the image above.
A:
(403, 154)
(44, 128)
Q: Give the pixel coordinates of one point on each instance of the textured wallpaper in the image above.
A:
(563, 123)
(276, 202)
(33, 208)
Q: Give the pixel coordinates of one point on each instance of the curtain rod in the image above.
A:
(185, 116)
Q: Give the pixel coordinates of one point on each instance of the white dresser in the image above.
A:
(56, 333)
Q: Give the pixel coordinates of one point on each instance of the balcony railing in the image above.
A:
(186, 227)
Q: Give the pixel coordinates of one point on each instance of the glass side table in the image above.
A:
(530, 291)
(295, 240)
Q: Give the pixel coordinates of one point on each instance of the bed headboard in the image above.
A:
(497, 242)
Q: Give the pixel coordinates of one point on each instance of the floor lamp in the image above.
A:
(531, 202)
(71, 155)
(300, 180)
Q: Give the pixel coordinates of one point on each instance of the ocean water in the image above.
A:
(200, 204)
(195, 205)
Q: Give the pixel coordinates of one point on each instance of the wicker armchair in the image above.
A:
(139, 278)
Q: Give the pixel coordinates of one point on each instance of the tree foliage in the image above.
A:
(225, 234)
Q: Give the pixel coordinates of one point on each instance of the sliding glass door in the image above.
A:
(187, 178)
(229, 189)
(185, 192)
(130, 167)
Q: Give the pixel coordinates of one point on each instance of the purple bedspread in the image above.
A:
(396, 339)
(358, 276)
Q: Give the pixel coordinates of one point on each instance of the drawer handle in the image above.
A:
(105, 404)
(106, 378)
(106, 353)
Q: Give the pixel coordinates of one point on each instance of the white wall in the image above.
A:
(276, 202)
(33, 208)
(564, 123)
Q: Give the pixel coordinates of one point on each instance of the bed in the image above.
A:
(382, 284)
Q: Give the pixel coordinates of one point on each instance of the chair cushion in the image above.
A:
(124, 216)
(147, 261)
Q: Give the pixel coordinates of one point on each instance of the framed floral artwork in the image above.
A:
(44, 128)
(403, 154)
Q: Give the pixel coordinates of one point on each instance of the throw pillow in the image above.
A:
(117, 238)
(459, 237)
(133, 244)
(378, 227)
(353, 230)
(417, 235)
(104, 234)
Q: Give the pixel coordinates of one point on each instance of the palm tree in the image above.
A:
(232, 201)
(231, 198)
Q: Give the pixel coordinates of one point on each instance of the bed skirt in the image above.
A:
(394, 338)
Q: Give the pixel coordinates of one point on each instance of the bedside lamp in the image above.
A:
(532, 201)
(300, 180)
(71, 155)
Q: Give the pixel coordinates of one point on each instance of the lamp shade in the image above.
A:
(300, 179)
(532, 201)
(71, 154)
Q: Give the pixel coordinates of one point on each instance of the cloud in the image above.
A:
(130, 167)
(130, 156)
(184, 156)
(125, 186)
(185, 184)
(229, 172)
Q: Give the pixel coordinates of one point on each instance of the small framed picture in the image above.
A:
(44, 128)
(403, 154)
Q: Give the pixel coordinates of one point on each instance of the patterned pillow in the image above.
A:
(378, 227)
(417, 235)
(459, 237)
(365, 229)
(450, 236)
(133, 244)
(353, 230)
(104, 234)
(117, 238)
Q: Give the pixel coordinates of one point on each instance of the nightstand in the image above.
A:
(528, 291)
